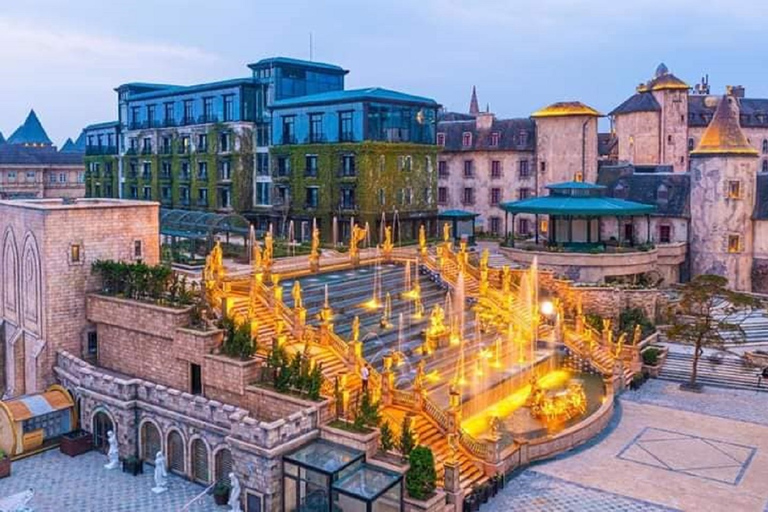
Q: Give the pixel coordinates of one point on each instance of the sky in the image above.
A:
(64, 57)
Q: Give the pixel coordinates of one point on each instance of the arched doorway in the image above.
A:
(102, 424)
(222, 464)
(199, 454)
(175, 449)
(150, 442)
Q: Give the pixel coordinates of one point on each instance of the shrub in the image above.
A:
(407, 438)
(651, 356)
(628, 318)
(315, 382)
(594, 321)
(386, 438)
(369, 410)
(421, 478)
(237, 339)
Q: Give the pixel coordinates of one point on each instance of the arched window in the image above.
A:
(199, 453)
(175, 450)
(691, 144)
(765, 145)
(150, 442)
(662, 193)
(765, 165)
(101, 425)
(222, 464)
(620, 191)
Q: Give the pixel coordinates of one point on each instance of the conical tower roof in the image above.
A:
(474, 108)
(724, 136)
(31, 133)
(68, 147)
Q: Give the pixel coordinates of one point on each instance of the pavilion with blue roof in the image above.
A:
(575, 211)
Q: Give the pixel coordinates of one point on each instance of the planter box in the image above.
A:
(221, 499)
(434, 504)
(133, 467)
(76, 443)
(5, 467)
(369, 443)
(654, 370)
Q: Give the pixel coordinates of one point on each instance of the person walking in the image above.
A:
(365, 373)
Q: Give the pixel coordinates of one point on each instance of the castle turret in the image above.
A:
(723, 175)
(566, 143)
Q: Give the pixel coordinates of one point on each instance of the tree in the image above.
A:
(369, 410)
(421, 478)
(407, 438)
(707, 316)
(386, 438)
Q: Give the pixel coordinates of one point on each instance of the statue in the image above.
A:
(453, 444)
(113, 454)
(268, 255)
(388, 245)
(256, 256)
(447, 233)
(161, 474)
(234, 493)
(495, 425)
(218, 257)
(437, 320)
(484, 260)
(356, 329)
(357, 236)
(418, 380)
(296, 294)
(637, 334)
(422, 240)
(314, 252)
(506, 279)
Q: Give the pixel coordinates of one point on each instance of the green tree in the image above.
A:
(315, 382)
(386, 437)
(421, 478)
(369, 410)
(708, 313)
(407, 438)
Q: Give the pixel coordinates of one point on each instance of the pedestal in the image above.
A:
(452, 484)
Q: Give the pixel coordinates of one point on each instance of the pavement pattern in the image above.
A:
(81, 484)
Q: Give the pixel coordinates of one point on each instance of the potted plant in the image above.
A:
(76, 443)
(5, 464)
(221, 492)
(133, 465)
(653, 359)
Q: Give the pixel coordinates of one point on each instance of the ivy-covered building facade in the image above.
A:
(353, 155)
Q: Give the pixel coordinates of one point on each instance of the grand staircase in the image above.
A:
(728, 373)
(429, 434)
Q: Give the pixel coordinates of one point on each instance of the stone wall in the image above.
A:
(608, 302)
(638, 137)
(562, 147)
(256, 446)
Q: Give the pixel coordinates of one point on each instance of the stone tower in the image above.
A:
(723, 176)
(566, 143)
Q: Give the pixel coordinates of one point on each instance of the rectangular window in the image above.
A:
(523, 226)
(734, 189)
(262, 193)
(469, 170)
(146, 145)
(283, 166)
(428, 195)
(189, 112)
(442, 169)
(225, 142)
(166, 193)
(348, 165)
(184, 195)
(495, 169)
(185, 170)
(74, 253)
(93, 344)
(207, 110)
(62, 177)
(134, 192)
(169, 115)
(522, 138)
(202, 142)
(469, 196)
(407, 196)
(578, 177)
(225, 170)
(11, 175)
(442, 195)
(495, 139)
(406, 163)
(184, 146)
(229, 107)
(495, 196)
(466, 139)
(523, 193)
(312, 197)
(348, 199)
(202, 197)
(543, 166)
(441, 139)
(310, 167)
(167, 145)
(734, 243)
(495, 226)
(544, 226)
(345, 126)
(316, 128)
(146, 170)
(523, 169)
(147, 193)
(135, 118)
(150, 116)
(165, 169)
(288, 133)
(31, 176)
(195, 379)
(665, 234)
(202, 170)
(382, 197)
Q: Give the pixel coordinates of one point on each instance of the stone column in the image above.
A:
(452, 484)
(387, 380)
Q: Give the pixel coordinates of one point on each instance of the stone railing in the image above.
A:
(480, 449)
(405, 398)
(436, 413)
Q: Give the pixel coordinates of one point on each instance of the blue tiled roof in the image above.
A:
(101, 126)
(190, 89)
(457, 214)
(353, 95)
(2, 139)
(297, 62)
(640, 102)
(80, 141)
(68, 146)
(31, 132)
(574, 185)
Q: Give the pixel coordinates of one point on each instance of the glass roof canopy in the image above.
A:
(201, 225)
(368, 483)
(324, 456)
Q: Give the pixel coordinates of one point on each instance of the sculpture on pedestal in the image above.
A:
(296, 294)
(387, 246)
(314, 252)
(357, 236)
(267, 257)
(161, 474)
(422, 240)
(113, 454)
(234, 493)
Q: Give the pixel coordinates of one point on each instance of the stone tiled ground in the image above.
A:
(665, 450)
(82, 484)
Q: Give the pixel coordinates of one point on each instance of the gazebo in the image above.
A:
(462, 224)
(576, 211)
(202, 228)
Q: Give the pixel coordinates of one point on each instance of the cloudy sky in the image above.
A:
(64, 57)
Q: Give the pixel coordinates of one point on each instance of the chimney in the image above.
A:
(737, 91)
(484, 120)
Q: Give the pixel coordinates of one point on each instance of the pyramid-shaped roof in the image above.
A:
(80, 141)
(31, 133)
(2, 139)
(724, 136)
(68, 147)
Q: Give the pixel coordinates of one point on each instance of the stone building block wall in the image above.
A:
(271, 405)
(228, 374)
(638, 137)
(192, 345)
(136, 316)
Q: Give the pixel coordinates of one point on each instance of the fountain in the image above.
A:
(367, 235)
(291, 238)
(335, 231)
(385, 322)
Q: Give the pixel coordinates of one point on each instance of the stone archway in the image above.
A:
(151, 442)
(200, 464)
(175, 452)
(101, 424)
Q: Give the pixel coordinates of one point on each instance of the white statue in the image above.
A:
(161, 475)
(113, 454)
(17, 502)
(234, 493)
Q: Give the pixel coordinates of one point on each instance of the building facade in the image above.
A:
(31, 167)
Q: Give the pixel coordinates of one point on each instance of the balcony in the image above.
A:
(166, 149)
(208, 118)
(146, 150)
(165, 175)
(347, 137)
(310, 172)
(288, 139)
(169, 123)
(184, 176)
(183, 150)
(225, 175)
(348, 206)
(184, 201)
(315, 138)
(100, 150)
(187, 120)
(202, 175)
(202, 202)
(146, 176)
(132, 151)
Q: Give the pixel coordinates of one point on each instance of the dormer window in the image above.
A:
(495, 139)
(523, 137)
(662, 194)
(620, 191)
(734, 189)
(466, 139)
(441, 139)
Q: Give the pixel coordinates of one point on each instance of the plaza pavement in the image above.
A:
(81, 484)
(665, 450)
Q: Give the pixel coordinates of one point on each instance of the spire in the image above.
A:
(31, 133)
(723, 136)
(474, 108)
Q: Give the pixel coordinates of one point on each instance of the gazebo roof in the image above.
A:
(574, 185)
(457, 214)
(578, 206)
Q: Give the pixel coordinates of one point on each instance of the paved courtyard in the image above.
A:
(82, 484)
(666, 450)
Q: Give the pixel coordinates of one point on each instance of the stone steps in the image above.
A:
(730, 373)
